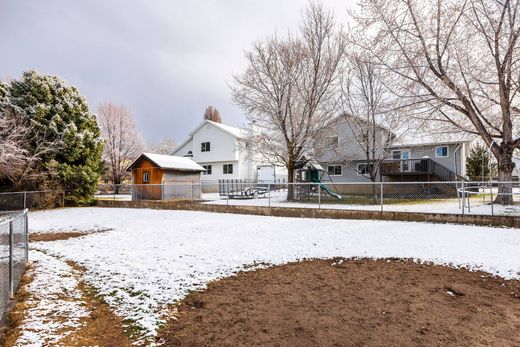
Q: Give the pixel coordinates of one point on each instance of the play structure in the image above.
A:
(312, 172)
(241, 189)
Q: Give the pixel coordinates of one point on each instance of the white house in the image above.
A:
(222, 150)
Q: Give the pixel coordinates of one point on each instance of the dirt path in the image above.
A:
(55, 307)
(350, 303)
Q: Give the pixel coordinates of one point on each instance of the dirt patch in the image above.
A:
(54, 236)
(61, 235)
(350, 303)
(9, 331)
(102, 327)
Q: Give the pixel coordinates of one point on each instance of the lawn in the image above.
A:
(141, 261)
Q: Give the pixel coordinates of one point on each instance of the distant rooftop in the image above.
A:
(425, 139)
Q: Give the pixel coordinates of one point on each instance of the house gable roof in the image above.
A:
(169, 162)
(236, 132)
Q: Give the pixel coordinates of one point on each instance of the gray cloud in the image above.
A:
(165, 60)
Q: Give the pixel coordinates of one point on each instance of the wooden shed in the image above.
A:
(165, 177)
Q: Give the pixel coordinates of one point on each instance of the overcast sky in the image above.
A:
(165, 60)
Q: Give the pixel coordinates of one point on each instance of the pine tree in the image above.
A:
(477, 163)
(59, 115)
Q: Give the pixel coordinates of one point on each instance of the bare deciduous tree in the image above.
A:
(165, 146)
(290, 88)
(13, 154)
(457, 63)
(211, 113)
(20, 166)
(123, 142)
(369, 111)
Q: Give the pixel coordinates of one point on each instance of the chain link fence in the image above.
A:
(14, 248)
(457, 197)
(34, 200)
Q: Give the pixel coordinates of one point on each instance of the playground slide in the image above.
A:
(329, 191)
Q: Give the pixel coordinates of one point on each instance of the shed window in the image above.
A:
(205, 147)
(146, 177)
(228, 169)
(208, 169)
(441, 152)
(335, 170)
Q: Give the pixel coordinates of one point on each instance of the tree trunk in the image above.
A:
(290, 180)
(374, 190)
(505, 176)
(117, 182)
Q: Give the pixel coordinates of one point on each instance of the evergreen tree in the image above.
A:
(57, 114)
(477, 163)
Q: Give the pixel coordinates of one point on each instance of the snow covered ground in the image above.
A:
(151, 258)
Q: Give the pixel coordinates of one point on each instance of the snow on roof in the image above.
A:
(172, 162)
(241, 133)
(426, 139)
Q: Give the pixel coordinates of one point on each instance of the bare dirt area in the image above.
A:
(54, 236)
(350, 303)
(61, 235)
(100, 328)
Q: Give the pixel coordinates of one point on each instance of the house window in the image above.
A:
(441, 151)
(228, 169)
(402, 154)
(335, 170)
(146, 177)
(208, 169)
(363, 169)
(205, 147)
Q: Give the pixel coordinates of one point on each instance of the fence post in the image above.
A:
(11, 265)
(24, 200)
(26, 217)
(192, 191)
(381, 197)
(269, 194)
(463, 198)
(227, 194)
(319, 196)
(63, 199)
(492, 206)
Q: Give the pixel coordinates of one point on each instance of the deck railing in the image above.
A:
(423, 166)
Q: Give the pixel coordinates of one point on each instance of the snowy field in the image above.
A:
(148, 259)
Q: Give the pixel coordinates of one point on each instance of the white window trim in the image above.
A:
(358, 171)
(205, 173)
(146, 174)
(442, 156)
(341, 174)
(228, 173)
(205, 147)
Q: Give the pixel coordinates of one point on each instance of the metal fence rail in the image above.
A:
(14, 248)
(455, 197)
